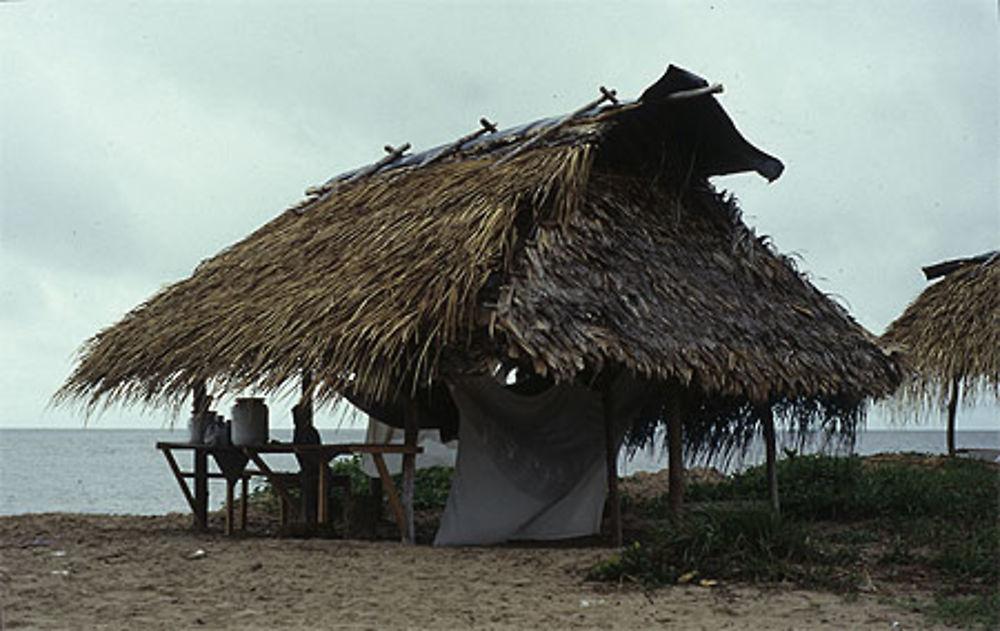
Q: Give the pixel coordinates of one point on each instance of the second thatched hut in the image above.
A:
(949, 337)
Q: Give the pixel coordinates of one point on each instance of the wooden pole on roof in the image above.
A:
(952, 408)
(675, 443)
(545, 132)
(611, 462)
(766, 416)
(411, 425)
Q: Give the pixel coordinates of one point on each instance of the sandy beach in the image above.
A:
(69, 571)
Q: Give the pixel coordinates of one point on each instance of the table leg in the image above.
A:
(278, 486)
(180, 480)
(229, 506)
(390, 491)
(243, 504)
(201, 488)
(322, 508)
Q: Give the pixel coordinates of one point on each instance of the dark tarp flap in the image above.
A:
(947, 267)
(707, 131)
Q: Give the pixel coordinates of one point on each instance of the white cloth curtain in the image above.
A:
(530, 466)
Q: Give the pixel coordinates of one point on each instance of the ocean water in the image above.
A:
(121, 471)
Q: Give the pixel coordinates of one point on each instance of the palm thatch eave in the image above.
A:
(290, 295)
(951, 333)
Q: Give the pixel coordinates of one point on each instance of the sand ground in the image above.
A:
(63, 571)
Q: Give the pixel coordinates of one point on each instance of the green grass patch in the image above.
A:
(847, 489)
(843, 519)
(969, 612)
(732, 543)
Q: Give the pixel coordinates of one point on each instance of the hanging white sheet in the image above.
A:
(530, 466)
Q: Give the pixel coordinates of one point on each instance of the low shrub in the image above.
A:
(846, 488)
(430, 486)
(745, 543)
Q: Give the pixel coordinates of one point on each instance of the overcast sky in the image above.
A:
(141, 138)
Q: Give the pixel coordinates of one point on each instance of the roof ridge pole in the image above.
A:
(606, 95)
(683, 95)
(611, 460)
(485, 127)
(321, 191)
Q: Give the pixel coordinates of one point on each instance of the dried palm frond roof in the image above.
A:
(951, 331)
(568, 244)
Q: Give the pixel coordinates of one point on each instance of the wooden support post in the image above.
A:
(956, 384)
(766, 417)
(412, 424)
(243, 503)
(611, 464)
(322, 501)
(306, 398)
(229, 506)
(675, 439)
(200, 402)
(201, 489)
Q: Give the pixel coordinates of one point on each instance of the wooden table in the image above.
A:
(232, 462)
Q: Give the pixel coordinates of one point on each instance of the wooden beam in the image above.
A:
(412, 425)
(766, 416)
(611, 463)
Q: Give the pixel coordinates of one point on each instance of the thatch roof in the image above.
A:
(951, 331)
(568, 244)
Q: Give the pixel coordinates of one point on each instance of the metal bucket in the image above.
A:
(250, 426)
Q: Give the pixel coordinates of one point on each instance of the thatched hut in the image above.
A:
(949, 337)
(575, 248)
